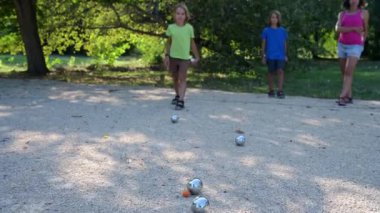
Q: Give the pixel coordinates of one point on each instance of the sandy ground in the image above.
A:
(80, 148)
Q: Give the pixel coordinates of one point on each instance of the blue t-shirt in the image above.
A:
(275, 42)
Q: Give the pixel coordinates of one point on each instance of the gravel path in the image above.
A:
(80, 148)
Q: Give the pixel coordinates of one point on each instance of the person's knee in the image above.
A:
(181, 79)
(348, 73)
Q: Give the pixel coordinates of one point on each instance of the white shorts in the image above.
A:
(345, 51)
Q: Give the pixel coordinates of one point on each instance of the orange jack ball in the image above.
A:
(186, 193)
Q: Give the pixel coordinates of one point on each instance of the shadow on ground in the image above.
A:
(80, 148)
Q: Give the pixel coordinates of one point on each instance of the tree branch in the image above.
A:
(120, 24)
(123, 26)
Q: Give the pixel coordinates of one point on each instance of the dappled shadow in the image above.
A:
(80, 148)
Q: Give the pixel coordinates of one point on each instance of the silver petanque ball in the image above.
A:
(195, 186)
(199, 205)
(174, 118)
(240, 140)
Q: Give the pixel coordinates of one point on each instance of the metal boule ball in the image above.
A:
(195, 186)
(199, 205)
(174, 118)
(240, 140)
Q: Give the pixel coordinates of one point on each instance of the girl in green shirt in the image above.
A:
(177, 52)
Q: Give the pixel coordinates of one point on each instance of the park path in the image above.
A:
(82, 148)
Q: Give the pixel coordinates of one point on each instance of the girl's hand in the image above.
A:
(194, 61)
(264, 61)
(167, 62)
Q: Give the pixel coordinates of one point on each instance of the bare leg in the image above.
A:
(182, 79)
(343, 64)
(270, 81)
(348, 76)
(175, 82)
(280, 74)
(173, 67)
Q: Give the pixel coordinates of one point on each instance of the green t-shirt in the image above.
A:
(181, 37)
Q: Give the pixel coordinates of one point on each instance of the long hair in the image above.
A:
(185, 8)
(278, 15)
(346, 4)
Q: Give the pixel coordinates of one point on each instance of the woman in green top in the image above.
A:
(177, 52)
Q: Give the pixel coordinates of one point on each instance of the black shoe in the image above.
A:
(349, 101)
(271, 94)
(280, 94)
(174, 101)
(180, 105)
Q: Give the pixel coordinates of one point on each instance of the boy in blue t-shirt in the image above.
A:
(274, 52)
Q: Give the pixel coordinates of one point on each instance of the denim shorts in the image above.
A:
(275, 65)
(345, 51)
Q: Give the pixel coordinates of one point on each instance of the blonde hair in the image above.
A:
(278, 14)
(184, 7)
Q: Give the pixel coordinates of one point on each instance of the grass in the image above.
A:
(319, 79)
(324, 81)
(10, 63)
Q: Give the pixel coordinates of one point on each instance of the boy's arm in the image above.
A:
(263, 47)
(286, 50)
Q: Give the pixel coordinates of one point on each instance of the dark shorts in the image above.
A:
(179, 65)
(275, 65)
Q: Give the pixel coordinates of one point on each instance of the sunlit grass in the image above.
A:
(319, 79)
(12, 63)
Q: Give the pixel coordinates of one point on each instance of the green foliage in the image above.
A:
(227, 31)
(10, 40)
(230, 32)
(11, 43)
(151, 48)
(71, 61)
(231, 29)
(373, 46)
(107, 46)
(52, 61)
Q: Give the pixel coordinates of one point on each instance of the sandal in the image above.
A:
(180, 105)
(342, 101)
(347, 100)
(271, 94)
(280, 94)
(175, 100)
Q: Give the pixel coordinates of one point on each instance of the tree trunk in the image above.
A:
(314, 49)
(26, 16)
